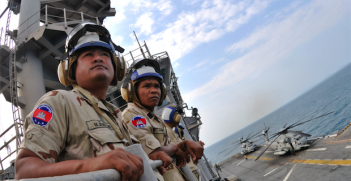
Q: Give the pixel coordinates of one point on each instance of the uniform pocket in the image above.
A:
(152, 143)
(104, 140)
(134, 139)
(104, 135)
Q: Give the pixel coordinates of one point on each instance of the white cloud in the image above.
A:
(269, 43)
(207, 24)
(118, 40)
(165, 7)
(176, 65)
(201, 64)
(145, 23)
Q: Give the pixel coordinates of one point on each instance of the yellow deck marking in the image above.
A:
(324, 162)
(261, 158)
(339, 141)
(321, 162)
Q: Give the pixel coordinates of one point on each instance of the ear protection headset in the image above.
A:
(170, 114)
(136, 72)
(89, 35)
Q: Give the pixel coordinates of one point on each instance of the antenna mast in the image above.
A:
(142, 52)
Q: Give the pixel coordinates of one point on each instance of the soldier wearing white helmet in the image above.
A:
(71, 132)
(171, 116)
(143, 90)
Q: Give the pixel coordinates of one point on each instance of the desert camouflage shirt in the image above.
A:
(65, 126)
(151, 132)
(175, 139)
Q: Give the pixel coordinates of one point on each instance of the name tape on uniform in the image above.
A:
(94, 124)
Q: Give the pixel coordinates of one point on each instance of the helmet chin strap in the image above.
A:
(66, 64)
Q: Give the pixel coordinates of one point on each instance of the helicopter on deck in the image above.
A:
(286, 140)
(246, 145)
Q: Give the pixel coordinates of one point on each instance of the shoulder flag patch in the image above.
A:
(42, 115)
(139, 121)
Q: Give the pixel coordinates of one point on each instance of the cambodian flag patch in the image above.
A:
(42, 115)
(139, 121)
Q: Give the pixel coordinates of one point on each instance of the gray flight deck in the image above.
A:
(327, 158)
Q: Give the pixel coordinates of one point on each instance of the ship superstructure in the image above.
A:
(30, 54)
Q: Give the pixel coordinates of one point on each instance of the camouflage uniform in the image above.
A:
(151, 132)
(75, 131)
(175, 139)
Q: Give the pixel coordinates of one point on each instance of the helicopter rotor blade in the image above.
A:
(303, 118)
(294, 125)
(235, 147)
(235, 142)
(285, 125)
(248, 136)
(300, 133)
(254, 136)
(267, 147)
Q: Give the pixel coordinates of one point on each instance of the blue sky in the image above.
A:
(237, 61)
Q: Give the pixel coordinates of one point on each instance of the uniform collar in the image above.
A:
(109, 107)
(151, 115)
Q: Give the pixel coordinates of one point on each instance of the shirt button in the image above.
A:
(29, 136)
(149, 142)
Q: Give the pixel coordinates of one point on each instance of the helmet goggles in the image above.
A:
(142, 68)
(100, 36)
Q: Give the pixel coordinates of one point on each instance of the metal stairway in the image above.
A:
(14, 98)
(13, 91)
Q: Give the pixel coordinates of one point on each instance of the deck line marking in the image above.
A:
(316, 149)
(240, 162)
(324, 162)
(271, 171)
(348, 146)
(287, 176)
(261, 158)
(234, 162)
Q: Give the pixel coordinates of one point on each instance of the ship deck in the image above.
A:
(327, 158)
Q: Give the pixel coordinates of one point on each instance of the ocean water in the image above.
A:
(333, 94)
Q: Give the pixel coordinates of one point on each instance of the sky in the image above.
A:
(236, 61)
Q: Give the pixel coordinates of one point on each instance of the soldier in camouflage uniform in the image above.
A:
(70, 132)
(144, 90)
(171, 116)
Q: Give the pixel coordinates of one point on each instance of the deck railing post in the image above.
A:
(97, 21)
(81, 14)
(131, 55)
(46, 15)
(64, 17)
